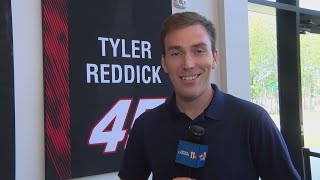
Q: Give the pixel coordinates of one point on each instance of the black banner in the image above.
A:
(7, 122)
(102, 70)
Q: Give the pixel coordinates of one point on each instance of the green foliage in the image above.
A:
(263, 55)
(263, 62)
(310, 69)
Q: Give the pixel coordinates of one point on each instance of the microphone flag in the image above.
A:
(191, 154)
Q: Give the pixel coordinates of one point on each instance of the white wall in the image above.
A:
(28, 84)
(28, 76)
(234, 52)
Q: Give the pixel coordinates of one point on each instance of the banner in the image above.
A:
(7, 104)
(102, 69)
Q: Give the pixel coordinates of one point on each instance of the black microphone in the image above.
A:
(195, 134)
(191, 154)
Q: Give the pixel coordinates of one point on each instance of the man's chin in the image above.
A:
(190, 96)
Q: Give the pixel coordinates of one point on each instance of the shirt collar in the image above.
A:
(216, 106)
(214, 110)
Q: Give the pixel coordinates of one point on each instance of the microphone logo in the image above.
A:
(203, 156)
(182, 152)
(193, 155)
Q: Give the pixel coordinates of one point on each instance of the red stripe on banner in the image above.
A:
(56, 77)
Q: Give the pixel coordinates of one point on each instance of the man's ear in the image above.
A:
(163, 64)
(215, 59)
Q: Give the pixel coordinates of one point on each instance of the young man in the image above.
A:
(243, 142)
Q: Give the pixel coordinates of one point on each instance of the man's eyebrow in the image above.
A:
(199, 45)
(174, 48)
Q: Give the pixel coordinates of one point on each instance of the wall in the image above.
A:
(234, 52)
(229, 16)
(28, 82)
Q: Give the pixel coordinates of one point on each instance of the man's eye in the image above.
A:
(175, 54)
(199, 51)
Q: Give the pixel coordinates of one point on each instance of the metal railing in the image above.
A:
(306, 162)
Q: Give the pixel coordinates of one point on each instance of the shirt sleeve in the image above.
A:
(270, 153)
(134, 163)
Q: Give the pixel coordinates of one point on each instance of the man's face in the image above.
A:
(188, 60)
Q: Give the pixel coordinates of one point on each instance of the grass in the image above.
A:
(311, 125)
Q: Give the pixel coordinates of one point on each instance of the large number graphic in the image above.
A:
(110, 129)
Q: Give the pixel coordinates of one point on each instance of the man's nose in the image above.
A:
(188, 61)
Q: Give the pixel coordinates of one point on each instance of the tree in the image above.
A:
(263, 58)
(310, 68)
(263, 63)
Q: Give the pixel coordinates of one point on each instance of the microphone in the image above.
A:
(191, 153)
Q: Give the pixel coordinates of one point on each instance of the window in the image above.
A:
(310, 82)
(263, 63)
(310, 4)
(298, 83)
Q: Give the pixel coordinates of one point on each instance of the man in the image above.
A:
(242, 139)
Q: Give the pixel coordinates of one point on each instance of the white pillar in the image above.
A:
(28, 87)
(234, 48)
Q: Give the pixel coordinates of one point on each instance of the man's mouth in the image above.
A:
(189, 78)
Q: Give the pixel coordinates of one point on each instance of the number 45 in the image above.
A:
(115, 119)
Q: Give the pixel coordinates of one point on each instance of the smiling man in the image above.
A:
(188, 59)
(243, 142)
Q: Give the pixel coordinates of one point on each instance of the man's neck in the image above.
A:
(193, 108)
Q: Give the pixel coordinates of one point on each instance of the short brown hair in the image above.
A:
(185, 19)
